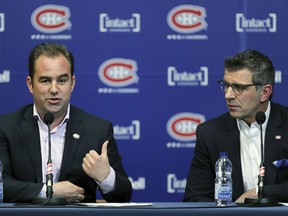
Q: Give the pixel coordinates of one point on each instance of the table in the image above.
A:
(157, 209)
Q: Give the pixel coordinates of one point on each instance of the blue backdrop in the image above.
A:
(148, 66)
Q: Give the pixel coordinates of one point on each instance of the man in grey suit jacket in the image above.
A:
(248, 85)
(85, 154)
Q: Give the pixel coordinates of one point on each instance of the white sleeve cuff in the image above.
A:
(108, 184)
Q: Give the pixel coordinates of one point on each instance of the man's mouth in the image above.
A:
(54, 100)
(230, 106)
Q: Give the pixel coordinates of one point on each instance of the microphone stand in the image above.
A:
(49, 200)
(261, 200)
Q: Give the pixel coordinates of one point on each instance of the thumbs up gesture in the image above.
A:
(97, 166)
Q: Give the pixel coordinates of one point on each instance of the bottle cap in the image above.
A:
(223, 153)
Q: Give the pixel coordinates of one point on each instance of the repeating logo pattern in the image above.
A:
(176, 78)
(182, 126)
(244, 24)
(2, 22)
(51, 19)
(136, 33)
(5, 76)
(130, 132)
(187, 19)
(108, 24)
(174, 184)
(118, 72)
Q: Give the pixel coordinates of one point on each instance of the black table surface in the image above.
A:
(156, 208)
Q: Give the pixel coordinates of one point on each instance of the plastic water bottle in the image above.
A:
(1, 183)
(223, 180)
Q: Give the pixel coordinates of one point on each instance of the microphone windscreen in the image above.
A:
(48, 118)
(260, 117)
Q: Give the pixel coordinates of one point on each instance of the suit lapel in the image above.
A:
(73, 135)
(32, 139)
(273, 142)
(232, 146)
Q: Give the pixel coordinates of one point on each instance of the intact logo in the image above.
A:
(175, 185)
(51, 19)
(130, 132)
(187, 19)
(182, 126)
(2, 22)
(138, 184)
(244, 24)
(176, 78)
(108, 24)
(278, 76)
(118, 72)
(5, 76)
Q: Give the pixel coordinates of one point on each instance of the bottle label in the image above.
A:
(224, 192)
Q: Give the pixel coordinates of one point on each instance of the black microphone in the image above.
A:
(48, 120)
(261, 200)
(49, 200)
(260, 119)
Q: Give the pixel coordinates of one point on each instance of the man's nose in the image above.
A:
(229, 93)
(54, 87)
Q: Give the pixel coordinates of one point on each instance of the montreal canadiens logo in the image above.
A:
(187, 19)
(182, 126)
(118, 72)
(51, 19)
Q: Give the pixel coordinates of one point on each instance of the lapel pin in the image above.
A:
(76, 136)
(278, 137)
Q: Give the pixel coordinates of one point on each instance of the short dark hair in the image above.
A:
(50, 49)
(260, 65)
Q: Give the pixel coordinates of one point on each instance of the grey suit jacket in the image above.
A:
(222, 134)
(21, 155)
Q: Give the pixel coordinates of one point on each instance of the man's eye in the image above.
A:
(62, 81)
(237, 87)
(44, 81)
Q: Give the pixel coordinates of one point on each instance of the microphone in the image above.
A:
(260, 119)
(48, 120)
(49, 200)
(261, 200)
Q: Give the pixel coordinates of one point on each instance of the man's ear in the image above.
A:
(29, 83)
(266, 92)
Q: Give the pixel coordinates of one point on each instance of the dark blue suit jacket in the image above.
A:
(222, 134)
(21, 156)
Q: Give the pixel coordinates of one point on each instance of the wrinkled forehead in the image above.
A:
(239, 76)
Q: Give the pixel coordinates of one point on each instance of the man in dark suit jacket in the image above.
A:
(87, 161)
(222, 134)
(248, 83)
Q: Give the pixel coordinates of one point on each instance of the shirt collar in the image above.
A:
(241, 123)
(37, 116)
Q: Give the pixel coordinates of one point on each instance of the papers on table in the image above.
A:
(285, 204)
(118, 205)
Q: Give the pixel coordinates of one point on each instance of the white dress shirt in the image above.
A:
(57, 148)
(250, 150)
